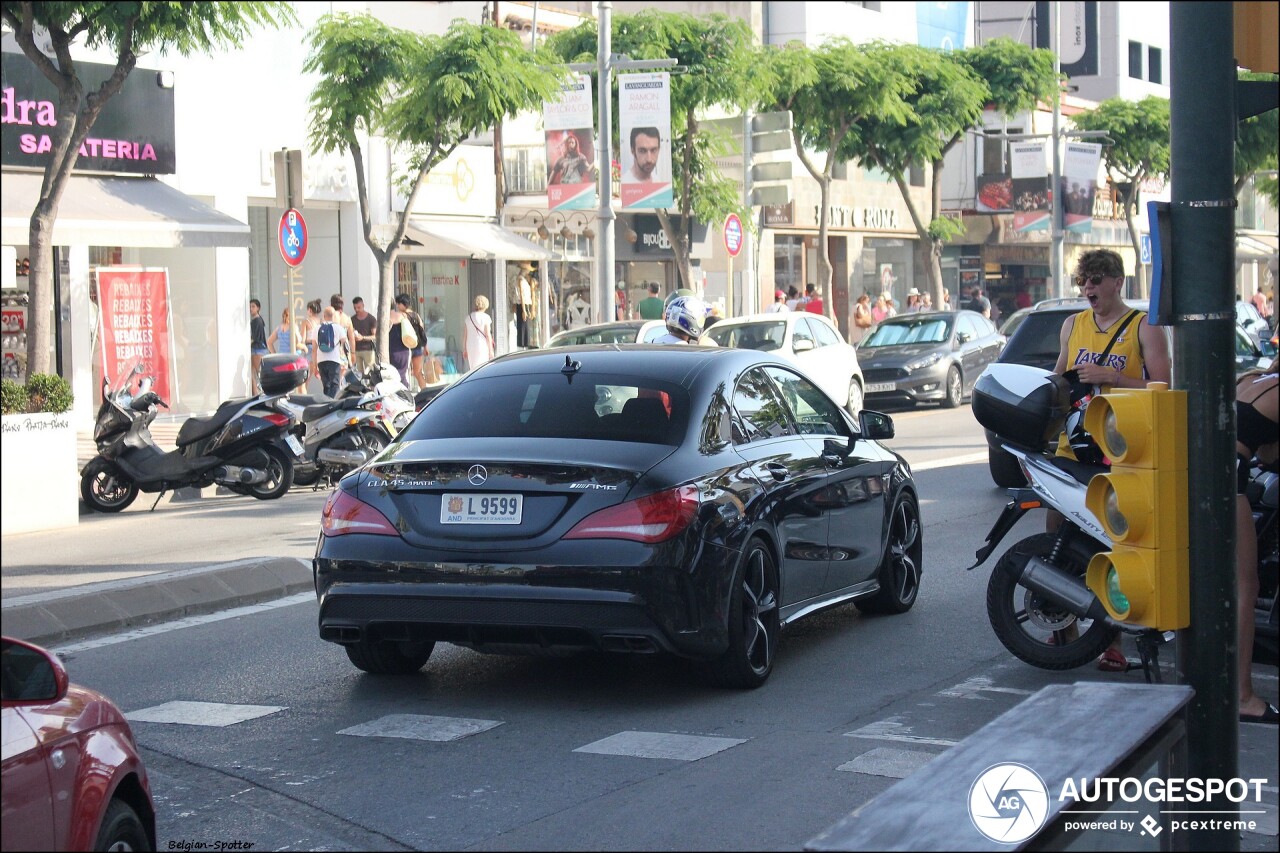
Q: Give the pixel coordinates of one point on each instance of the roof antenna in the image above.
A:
(570, 368)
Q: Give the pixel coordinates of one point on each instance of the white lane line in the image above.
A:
(970, 688)
(217, 714)
(968, 459)
(421, 727)
(188, 622)
(892, 730)
(660, 745)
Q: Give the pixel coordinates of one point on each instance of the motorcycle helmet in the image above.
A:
(1082, 444)
(685, 314)
(675, 294)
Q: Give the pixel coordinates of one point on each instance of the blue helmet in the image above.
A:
(686, 314)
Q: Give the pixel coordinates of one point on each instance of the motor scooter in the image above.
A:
(245, 445)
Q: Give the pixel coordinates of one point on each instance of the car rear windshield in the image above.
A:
(760, 336)
(607, 408)
(616, 335)
(926, 330)
(1036, 339)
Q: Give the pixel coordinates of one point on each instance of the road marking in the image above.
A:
(891, 729)
(894, 763)
(660, 745)
(968, 459)
(217, 714)
(178, 624)
(970, 688)
(421, 727)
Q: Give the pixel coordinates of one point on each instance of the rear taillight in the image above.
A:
(277, 419)
(344, 514)
(653, 518)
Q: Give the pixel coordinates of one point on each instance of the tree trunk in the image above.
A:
(1135, 238)
(678, 238)
(824, 251)
(40, 284)
(929, 250)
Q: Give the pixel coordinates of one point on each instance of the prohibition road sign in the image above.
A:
(293, 237)
(733, 234)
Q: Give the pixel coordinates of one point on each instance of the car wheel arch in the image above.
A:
(91, 793)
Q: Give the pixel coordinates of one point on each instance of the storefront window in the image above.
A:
(788, 261)
(887, 266)
(439, 288)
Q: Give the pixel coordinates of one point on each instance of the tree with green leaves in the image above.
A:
(714, 55)
(832, 91)
(127, 30)
(949, 91)
(425, 94)
(1256, 145)
(1139, 150)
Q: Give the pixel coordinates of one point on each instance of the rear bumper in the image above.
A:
(497, 605)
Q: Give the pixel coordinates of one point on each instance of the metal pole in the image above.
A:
(1055, 258)
(1202, 135)
(604, 248)
(750, 292)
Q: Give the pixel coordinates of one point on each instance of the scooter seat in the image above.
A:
(308, 399)
(312, 413)
(197, 428)
(1083, 472)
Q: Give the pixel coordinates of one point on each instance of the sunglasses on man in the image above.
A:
(1095, 280)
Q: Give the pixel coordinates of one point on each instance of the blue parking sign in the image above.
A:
(1145, 244)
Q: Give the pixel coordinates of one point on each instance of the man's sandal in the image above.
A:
(1113, 660)
(1269, 715)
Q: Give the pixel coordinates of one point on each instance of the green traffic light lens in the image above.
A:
(1111, 434)
(1117, 524)
(1117, 599)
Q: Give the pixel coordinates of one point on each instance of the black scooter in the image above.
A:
(245, 445)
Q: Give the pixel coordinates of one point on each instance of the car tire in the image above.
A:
(121, 829)
(855, 403)
(386, 657)
(954, 388)
(754, 623)
(899, 572)
(1005, 470)
(106, 488)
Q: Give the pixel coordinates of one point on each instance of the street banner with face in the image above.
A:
(644, 119)
(133, 305)
(1079, 185)
(571, 153)
(1030, 185)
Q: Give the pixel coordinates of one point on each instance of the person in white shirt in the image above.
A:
(779, 303)
(328, 363)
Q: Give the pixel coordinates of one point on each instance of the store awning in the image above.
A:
(481, 240)
(1256, 246)
(112, 211)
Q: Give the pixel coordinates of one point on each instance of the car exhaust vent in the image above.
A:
(340, 633)
(628, 643)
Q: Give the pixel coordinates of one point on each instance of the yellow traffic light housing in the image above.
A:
(1142, 505)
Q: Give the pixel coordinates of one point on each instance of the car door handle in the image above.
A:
(778, 472)
(835, 460)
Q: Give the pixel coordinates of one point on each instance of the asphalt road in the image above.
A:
(589, 752)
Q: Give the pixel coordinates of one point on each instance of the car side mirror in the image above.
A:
(30, 674)
(963, 337)
(875, 425)
(802, 345)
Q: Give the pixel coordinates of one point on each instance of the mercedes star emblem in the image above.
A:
(476, 475)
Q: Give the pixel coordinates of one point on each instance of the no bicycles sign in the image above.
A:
(293, 237)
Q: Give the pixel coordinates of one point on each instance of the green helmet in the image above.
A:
(684, 291)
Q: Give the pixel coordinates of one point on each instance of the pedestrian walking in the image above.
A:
(331, 352)
(365, 326)
(477, 335)
(416, 353)
(257, 342)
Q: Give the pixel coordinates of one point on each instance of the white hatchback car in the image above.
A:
(809, 341)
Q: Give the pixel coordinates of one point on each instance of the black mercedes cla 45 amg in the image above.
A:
(626, 498)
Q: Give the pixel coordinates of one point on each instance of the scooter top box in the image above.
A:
(280, 374)
(1021, 404)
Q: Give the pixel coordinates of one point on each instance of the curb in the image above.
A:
(77, 613)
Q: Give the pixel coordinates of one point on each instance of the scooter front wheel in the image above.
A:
(105, 487)
(1038, 630)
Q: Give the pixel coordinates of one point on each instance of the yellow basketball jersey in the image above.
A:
(1086, 344)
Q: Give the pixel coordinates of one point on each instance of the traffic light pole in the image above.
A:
(1202, 83)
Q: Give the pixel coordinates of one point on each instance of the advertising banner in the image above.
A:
(1079, 185)
(644, 120)
(571, 151)
(1030, 185)
(1078, 40)
(995, 193)
(134, 309)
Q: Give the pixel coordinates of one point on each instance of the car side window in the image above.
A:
(814, 412)
(801, 332)
(717, 426)
(824, 334)
(762, 415)
(966, 326)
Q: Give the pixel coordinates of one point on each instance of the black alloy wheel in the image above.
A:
(899, 572)
(279, 468)
(106, 488)
(754, 623)
(121, 830)
(955, 388)
(386, 657)
(1035, 629)
(373, 440)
